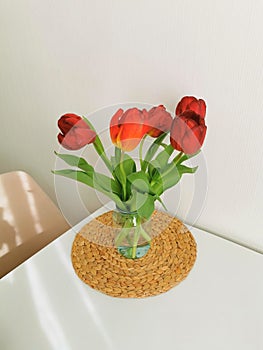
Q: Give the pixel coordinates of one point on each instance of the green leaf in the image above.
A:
(104, 181)
(169, 177)
(152, 151)
(163, 157)
(107, 183)
(129, 167)
(155, 164)
(139, 181)
(78, 175)
(142, 203)
(188, 156)
(89, 180)
(185, 169)
(145, 203)
(166, 180)
(76, 161)
(152, 170)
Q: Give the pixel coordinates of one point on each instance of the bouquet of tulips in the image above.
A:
(135, 187)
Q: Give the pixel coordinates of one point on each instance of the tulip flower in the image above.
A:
(188, 132)
(75, 132)
(135, 186)
(193, 104)
(127, 128)
(158, 121)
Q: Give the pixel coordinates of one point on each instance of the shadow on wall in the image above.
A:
(29, 220)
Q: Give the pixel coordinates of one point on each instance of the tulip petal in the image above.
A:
(127, 129)
(193, 139)
(69, 142)
(188, 132)
(130, 136)
(67, 121)
(190, 123)
(183, 104)
(158, 121)
(199, 107)
(60, 138)
(192, 104)
(202, 108)
(190, 144)
(114, 125)
(75, 133)
(83, 136)
(203, 129)
(177, 133)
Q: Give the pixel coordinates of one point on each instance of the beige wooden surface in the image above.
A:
(29, 220)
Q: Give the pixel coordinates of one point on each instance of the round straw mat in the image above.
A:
(169, 260)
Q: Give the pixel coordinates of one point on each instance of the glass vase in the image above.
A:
(132, 234)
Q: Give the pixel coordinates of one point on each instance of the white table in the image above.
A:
(44, 305)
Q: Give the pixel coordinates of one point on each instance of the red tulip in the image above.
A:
(188, 132)
(193, 104)
(75, 132)
(127, 128)
(158, 121)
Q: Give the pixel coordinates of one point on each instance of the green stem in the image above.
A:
(129, 240)
(123, 176)
(124, 231)
(162, 203)
(117, 155)
(178, 157)
(106, 161)
(101, 152)
(145, 235)
(140, 150)
(122, 235)
(99, 146)
(135, 241)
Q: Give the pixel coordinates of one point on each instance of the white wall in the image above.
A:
(60, 56)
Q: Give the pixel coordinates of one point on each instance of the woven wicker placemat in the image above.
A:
(169, 260)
